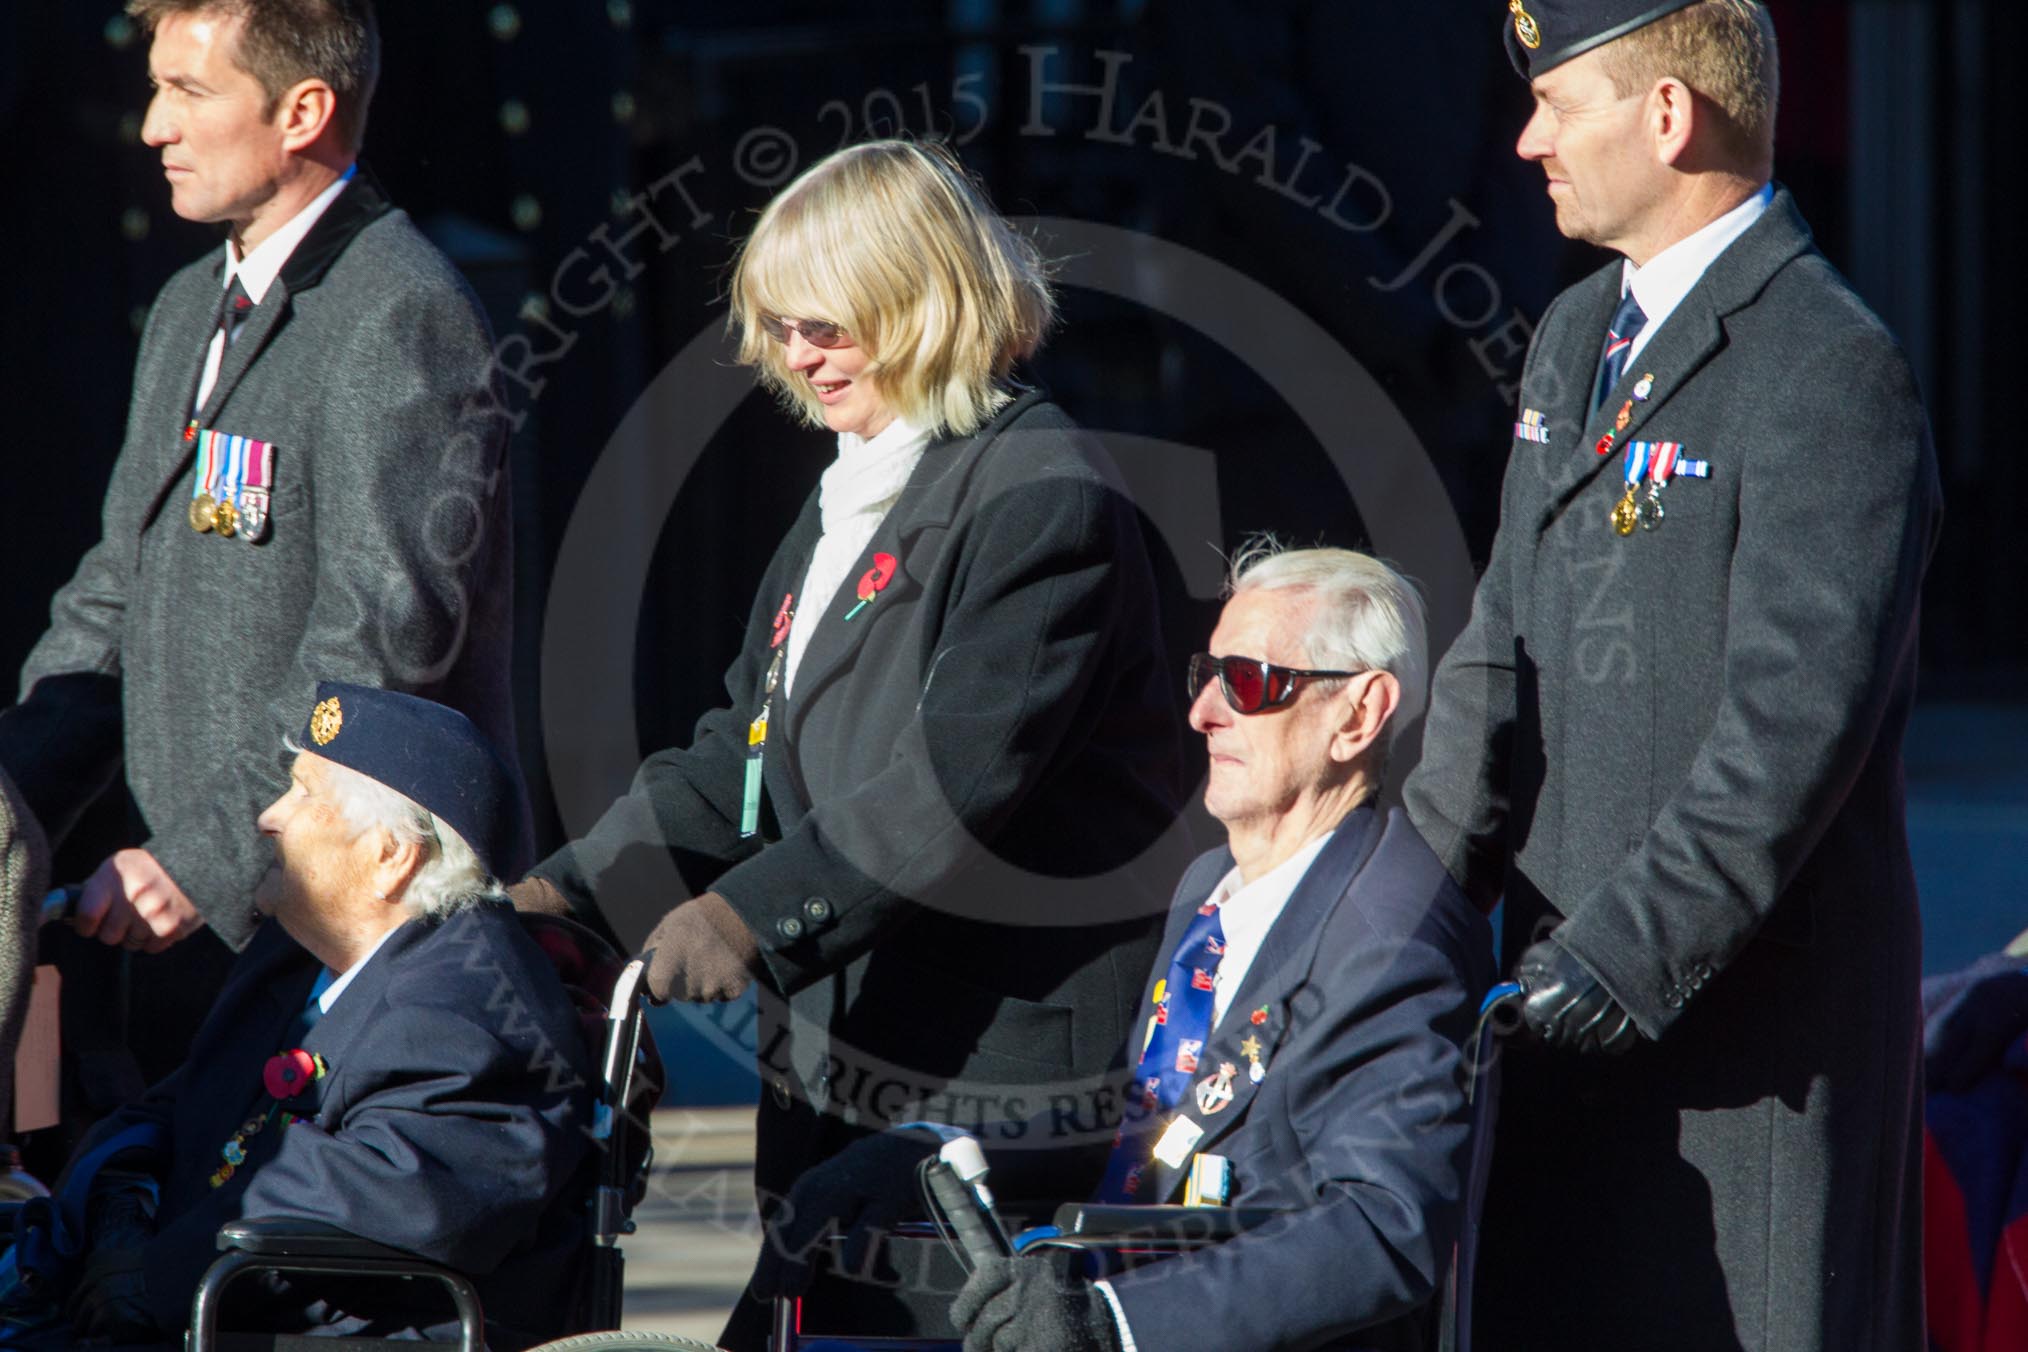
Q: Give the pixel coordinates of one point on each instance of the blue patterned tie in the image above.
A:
(1169, 1064)
(1628, 321)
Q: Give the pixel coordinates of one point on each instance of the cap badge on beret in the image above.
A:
(1525, 27)
(325, 720)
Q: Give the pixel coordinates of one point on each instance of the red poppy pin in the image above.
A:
(1259, 1016)
(290, 1073)
(874, 581)
(782, 618)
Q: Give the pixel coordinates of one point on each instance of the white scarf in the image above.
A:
(853, 498)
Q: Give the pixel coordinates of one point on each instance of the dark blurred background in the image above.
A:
(589, 163)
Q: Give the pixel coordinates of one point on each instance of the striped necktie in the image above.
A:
(1628, 321)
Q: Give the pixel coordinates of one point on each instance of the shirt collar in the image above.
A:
(330, 985)
(1278, 882)
(258, 270)
(1669, 275)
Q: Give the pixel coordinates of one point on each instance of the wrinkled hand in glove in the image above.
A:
(1029, 1305)
(1566, 1006)
(700, 951)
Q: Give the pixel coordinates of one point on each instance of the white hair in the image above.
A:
(1368, 616)
(451, 878)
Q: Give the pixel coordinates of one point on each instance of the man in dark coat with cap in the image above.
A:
(1670, 733)
(393, 1054)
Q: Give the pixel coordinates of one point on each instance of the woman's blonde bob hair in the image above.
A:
(896, 244)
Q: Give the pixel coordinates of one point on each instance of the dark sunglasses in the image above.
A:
(816, 332)
(1249, 684)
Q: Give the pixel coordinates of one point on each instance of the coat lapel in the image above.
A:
(930, 501)
(1688, 339)
(361, 204)
(352, 1017)
(1278, 971)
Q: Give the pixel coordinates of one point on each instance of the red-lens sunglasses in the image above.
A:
(1250, 685)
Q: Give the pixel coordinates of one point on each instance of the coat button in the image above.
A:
(781, 1088)
(818, 909)
(789, 927)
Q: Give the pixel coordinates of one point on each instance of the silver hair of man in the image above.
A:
(451, 878)
(1368, 616)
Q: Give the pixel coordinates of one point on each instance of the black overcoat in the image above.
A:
(970, 827)
(1684, 744)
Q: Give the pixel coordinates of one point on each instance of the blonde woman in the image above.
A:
(950, 708)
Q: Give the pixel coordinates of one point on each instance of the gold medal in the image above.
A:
(1625, 514)
(226, 520)
(203, 511)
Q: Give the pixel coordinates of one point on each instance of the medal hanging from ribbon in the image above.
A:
(757, 731)
(1664, 457)
(233, 488)
(203, 506)
(1626, 515)
(227, 489)
(257, 483)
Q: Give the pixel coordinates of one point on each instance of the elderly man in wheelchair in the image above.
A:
(1303, 1058)
(395, 1061)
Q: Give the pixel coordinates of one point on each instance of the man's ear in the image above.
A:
(395, 869)
(304, 111)
(1672, 118)
(1368, 702)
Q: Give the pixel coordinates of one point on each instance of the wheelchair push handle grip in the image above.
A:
(970, 1214)
(61, 904)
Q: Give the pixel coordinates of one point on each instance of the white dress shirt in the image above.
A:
(324, 992)
(1247, 911)
(258, 270)
(854, 497)
(1669, 275)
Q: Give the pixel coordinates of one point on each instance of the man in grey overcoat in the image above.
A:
(311, 485)
(1670, 734)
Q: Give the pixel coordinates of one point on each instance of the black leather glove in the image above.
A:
(107, 1302)
(1029, 1305)
(859, 1193)
(1568, 1007)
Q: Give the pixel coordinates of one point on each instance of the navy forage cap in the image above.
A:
(433, 756)
(1543, 34)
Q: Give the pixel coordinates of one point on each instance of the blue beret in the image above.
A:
(1543, 34)
(435, 757)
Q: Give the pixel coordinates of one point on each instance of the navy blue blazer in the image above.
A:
(1371, 979)
(455, 1111)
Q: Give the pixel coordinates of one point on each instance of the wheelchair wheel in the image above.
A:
(619, 1340)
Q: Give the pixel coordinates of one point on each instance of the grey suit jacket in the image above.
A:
(1684, 746)
(387, 561)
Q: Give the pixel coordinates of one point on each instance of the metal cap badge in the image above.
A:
(1543, 34)
(325, 721)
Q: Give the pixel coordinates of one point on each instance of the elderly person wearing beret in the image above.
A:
(361, 1066)
(922, 821)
